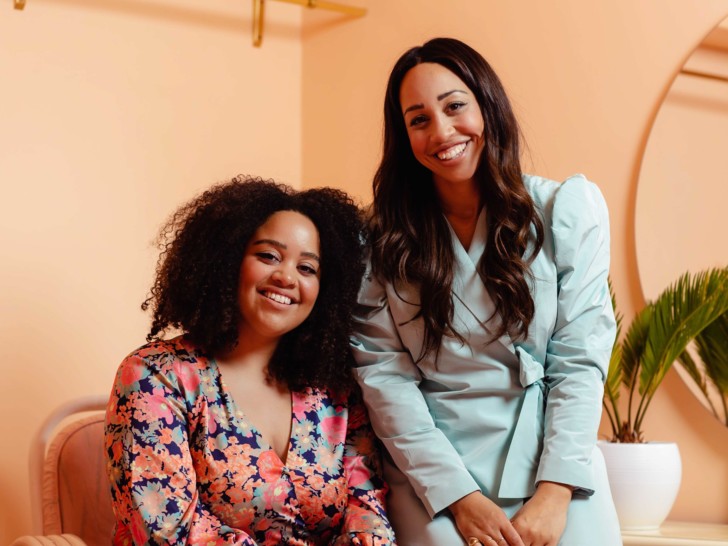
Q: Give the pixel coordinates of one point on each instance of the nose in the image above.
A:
(283, 277)
(441, 128)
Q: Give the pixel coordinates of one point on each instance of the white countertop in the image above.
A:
(677, 533)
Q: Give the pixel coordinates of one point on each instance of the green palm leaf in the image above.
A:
(681, 313)
(693, 369)
(693, 309)
(614, 374)
(633, 348)
(712, 348)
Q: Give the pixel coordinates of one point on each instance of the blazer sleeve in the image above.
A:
(390, 380)
(578, 352)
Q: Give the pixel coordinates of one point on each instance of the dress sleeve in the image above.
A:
(390, 380)
(366, 517)
(578, 352)
(153, 482)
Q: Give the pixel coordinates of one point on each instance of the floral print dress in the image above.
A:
(186, 467)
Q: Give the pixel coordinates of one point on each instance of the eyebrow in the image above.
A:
(420, 106)
(278, 244)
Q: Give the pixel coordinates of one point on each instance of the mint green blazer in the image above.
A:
(560, 368)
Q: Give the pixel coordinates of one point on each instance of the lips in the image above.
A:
(452, 152)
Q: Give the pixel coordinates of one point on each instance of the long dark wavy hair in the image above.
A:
(410, 238)
(196, 285)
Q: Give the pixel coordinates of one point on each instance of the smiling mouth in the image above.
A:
(279, 298)
(452, 152)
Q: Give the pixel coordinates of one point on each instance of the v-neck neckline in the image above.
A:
(477, 245)
(468, 287)
(237, 412)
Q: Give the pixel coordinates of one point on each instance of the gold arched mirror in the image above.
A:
(681, 219)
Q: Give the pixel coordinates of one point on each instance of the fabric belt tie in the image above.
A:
(519, 472)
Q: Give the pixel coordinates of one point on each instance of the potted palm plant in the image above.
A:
(645, 476)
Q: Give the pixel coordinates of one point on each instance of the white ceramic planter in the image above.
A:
(644, 479)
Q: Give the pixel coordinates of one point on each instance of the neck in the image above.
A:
(251, 353)
(461, 201)
(461, 205)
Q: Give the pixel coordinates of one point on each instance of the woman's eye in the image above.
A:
(307, 269)
(453, 106)
(417, 120)
(269, 257)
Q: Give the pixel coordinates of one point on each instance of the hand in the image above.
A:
(476, 516)
(541, 521)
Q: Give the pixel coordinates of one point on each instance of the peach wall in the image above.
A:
(586, 78)
(113, 112)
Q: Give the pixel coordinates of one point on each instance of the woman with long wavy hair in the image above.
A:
(484, 325)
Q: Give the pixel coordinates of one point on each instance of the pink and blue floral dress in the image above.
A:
(187, 467)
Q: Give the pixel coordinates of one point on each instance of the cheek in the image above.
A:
(417, 143)
(312, 291)
(250, 274)
(479, 125)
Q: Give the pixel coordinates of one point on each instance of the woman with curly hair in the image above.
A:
(485, 327)
(246, 428)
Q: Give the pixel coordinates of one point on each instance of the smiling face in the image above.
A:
(444, 122)
(279, 276)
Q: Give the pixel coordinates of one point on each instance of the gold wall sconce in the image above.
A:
(259, 13)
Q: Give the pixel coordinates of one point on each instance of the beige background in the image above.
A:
(112, 112)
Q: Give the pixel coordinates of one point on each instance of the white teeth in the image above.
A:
(453, 152)
(277, 297)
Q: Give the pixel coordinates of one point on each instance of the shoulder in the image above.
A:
(178, 360)
(372, 292)
(576, 225)
(163, 352)
(564, 205)
(545, 191)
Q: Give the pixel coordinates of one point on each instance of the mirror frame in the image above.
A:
(695, 103)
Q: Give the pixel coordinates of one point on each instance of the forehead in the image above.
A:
(290, 227)
(426, 81)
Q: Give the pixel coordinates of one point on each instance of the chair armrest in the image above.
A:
(49, 540)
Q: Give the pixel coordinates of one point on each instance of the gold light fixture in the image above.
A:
(259, 13)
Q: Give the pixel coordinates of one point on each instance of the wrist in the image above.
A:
(459, 505)
(554, 491)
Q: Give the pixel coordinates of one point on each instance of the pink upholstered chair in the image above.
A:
(70, 499)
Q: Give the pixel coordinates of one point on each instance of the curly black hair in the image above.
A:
(196, 284)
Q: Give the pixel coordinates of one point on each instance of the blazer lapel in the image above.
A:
(474, 308)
